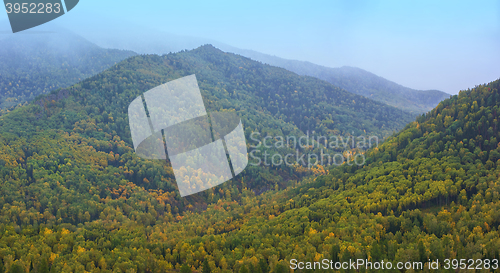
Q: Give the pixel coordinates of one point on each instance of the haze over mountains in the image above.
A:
(352, 79)
(65, 46)
(357, 81)
(145, 40)
(36, 63)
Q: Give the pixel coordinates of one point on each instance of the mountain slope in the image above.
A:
(73, 189)
(430, 192)
(357, 81)
(271, 101)
(35, 64)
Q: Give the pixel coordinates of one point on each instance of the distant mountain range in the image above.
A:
(144, 40)
(37, 63)
(357, 81)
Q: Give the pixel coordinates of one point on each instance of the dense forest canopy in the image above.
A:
(74, 197)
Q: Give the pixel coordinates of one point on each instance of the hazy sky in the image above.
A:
(445, 45)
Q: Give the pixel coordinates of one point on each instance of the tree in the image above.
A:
(252, 268)
(185, 269)
(335, 253)
(264, 267)
(421, 252)
(206, 267)
(280, 269)
(44, 266)
(243, 269)
(16, 268)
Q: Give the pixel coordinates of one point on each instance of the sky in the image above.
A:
(444, 45)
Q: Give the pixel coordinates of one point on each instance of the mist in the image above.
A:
(448, 46)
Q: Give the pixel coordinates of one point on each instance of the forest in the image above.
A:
(75, 198)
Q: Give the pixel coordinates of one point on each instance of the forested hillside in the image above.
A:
(37, 63)
(357, 81)
(74, 196)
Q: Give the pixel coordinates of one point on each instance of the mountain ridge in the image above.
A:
(159, 42)
(357, 81)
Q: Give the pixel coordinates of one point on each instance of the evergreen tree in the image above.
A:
(185, 269)
(206, 267)
(264, 267)
(252, 268)
(335, 253)
(421, 252)
(243, 269)
(280, 269)
(16, 268)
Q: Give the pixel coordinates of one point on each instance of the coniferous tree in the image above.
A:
(243, 269)
(252, 268)
(280, 269)
(421, 252)
(335, 253)
(16, 268)
(185, 269)
(206, 267)
(264, 267)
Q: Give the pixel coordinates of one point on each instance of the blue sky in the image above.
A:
(445, 45)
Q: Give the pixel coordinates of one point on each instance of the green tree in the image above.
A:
(280, 269)
(206, 267)
(16, 268)
(264, 267)
(252, 268)
(243, 269)
(185, 269)
(44, 266)
(335, 253)
(421, 252)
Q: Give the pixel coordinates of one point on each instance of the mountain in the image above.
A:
(75, 196)
(430, 192)
(355, 80)
(36, 63)
(145, 40)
